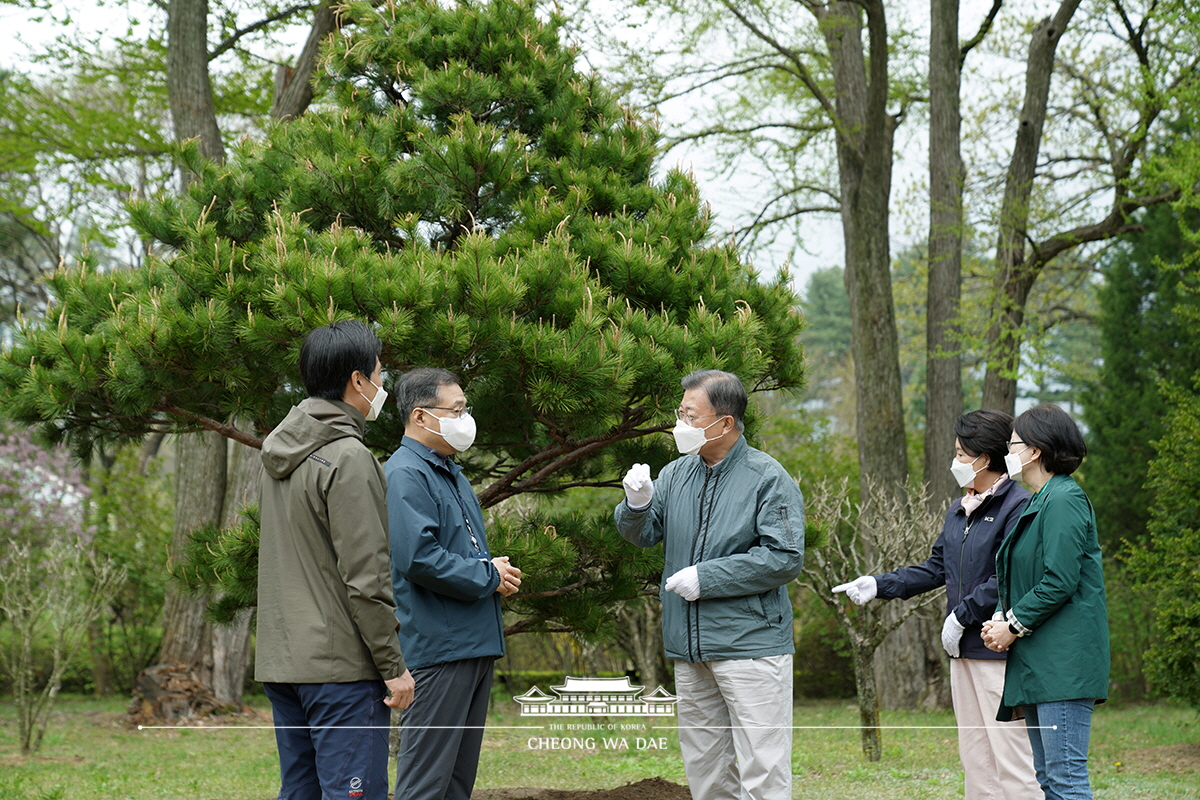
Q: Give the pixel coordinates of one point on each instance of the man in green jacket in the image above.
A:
(327, 649)
(731, 521)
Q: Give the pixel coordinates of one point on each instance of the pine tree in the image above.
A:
(489, 209)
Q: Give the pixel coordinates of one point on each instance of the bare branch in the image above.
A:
(237, 35)
(984, 27)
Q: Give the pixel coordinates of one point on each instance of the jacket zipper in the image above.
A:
(700, 539)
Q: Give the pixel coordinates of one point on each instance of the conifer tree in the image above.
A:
(489, 209)
(1145, 342)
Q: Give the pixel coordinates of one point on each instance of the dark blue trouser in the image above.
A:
(332, 739)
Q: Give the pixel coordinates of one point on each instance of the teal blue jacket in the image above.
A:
(742, 524)
(442, 574)
(1050, 574)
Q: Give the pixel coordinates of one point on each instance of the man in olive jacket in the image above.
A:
(327, 649)
(731, 521)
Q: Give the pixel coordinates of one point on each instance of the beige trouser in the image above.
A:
(996, 756)
(735, 728)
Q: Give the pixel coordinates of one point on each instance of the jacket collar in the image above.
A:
(1039, 499)
(998, 496)
(735, 454)
(435, 458)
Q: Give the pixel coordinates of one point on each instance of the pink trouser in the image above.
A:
(996, 757)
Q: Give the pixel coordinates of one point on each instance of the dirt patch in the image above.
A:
(1166, 758)
(648, 789)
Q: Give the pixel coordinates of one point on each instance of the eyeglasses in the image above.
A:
(458, 412)
(683, 416)
(1015, 441)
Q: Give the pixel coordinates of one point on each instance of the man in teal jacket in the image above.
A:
(448, 588)
(731, 521)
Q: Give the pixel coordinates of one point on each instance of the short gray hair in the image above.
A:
(420, 387)
(725, 391)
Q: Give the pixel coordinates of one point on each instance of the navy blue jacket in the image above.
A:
(444, 583)
(964, 561)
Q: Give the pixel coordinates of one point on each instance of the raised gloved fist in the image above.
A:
(639, 489)
(861, 590)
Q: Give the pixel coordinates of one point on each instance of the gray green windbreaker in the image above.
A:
(742, 523)
(325, 609)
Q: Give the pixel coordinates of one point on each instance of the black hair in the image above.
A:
(724, 390)
(330, 356)
(1051, 430)
(985, 432)
(420, 387)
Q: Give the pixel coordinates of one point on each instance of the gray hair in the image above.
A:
(420, 387)
(725, 391)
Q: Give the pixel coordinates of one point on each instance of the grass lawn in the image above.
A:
(1138, 751)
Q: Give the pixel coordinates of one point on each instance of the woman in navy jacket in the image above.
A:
(996, 756)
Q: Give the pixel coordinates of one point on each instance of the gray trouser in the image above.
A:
(735, 728)
(442, 731)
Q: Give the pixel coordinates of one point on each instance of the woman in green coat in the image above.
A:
(1052, 617)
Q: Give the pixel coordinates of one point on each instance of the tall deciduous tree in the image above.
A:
(176, 63)
(489, 209)
(1130, 75)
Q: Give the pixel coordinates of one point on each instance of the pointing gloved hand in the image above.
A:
(639, 489)
(861, 590)
(685, 583)
(952, 631)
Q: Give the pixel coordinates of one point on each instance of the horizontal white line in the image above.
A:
(333, 727)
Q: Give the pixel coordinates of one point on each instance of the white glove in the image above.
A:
(639, 489)
(861, 590)
(685, 583)
(952, 631)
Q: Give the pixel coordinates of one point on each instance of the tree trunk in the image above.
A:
(865, 173)
(189, 90)
(910, 664)
(293, 86)
(231, 643)
(1015, 275)
(102, 666)
(639, 634)
(868, 703)
(943, 370)
(200, 471)
(865, 170)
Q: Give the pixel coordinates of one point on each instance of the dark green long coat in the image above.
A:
(1050, 574)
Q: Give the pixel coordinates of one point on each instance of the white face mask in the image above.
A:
(376, 402)
(963, 473)
(1012, 462)
(689, 440)
(459, 432)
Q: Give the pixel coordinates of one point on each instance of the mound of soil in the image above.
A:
(648, 789)
(1166, 758)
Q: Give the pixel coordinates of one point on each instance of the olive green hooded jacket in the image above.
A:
(325, 609)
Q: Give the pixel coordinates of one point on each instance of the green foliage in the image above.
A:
(132, 509)
(1146, 339)
(1168, 563)
(224, 561)
(52, 584)
(489, 209)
